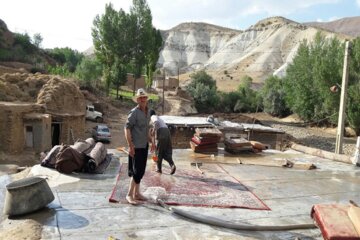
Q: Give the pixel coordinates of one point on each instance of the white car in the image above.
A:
(101, 133)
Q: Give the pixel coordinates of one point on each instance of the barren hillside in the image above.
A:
(264, 48)
(348, 26)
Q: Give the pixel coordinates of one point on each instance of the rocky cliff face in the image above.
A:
(189, 46)
(260, 51)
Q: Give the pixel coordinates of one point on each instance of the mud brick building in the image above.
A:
(183, 128)
(45, 111)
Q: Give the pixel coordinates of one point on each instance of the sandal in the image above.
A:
(173, 169)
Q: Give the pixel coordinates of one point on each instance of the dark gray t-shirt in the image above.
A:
(138, 123)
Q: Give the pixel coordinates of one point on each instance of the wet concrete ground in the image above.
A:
(81, 209)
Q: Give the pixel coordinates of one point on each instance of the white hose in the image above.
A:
(225, 224)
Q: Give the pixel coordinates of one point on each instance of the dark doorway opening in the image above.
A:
(55, 134)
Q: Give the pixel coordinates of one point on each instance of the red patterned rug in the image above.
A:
(188, 187)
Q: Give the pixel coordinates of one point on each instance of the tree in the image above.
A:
(66, 57)
(315, 68)
(248, 99)
(37, 40)
(273, 97)
(353, 100)
(353, 107)
(89, 72)
(203, 89)
(142, 35)
(119, 74)
(245, 82)
(228, 101)
(112, 41)
(127, 41)
(153, 56)
(298, 83)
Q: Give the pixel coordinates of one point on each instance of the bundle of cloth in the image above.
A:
(82, 156)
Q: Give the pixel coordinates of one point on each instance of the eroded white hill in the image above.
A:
(263, 49)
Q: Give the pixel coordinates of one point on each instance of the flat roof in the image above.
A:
(249, 127)
(17, 103)
(185, 121)
(202, 122)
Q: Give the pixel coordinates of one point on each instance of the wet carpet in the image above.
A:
(188, 187)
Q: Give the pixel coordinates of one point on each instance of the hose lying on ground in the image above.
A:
(225, 224)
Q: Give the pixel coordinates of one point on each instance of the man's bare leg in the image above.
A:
(137, 194)
(131, 192)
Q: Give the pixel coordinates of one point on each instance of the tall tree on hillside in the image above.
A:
(316, 67)
(89, 72)
(37, 40)
(353, 101)
(298, 83)
(119, 74)
(153, 55)
(112, 41)
(142, 34)
(66, 57)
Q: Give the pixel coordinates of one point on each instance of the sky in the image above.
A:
(68, 23)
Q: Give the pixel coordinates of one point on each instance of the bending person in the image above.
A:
(161, 134)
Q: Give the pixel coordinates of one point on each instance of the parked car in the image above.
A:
(101, 132)
(93, 115)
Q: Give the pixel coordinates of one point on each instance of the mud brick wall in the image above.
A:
(12, 132)
(181, 136)
(275, 140)
(42, 132)
(76, 124)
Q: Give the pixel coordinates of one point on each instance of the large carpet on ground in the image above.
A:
(188, 187)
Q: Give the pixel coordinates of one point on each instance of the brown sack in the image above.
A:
(69, 160)
(258, 145)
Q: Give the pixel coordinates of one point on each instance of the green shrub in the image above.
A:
(228, 101)
(5, 54)
(24, 41)
(203, 89)
(353, 108)
(273, 97)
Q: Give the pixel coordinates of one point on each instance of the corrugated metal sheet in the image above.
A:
(186, 121)
(202, 122)
(249, 127)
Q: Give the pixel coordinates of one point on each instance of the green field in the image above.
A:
(129, 94)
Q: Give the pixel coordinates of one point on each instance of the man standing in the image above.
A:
(160, 132)
(136, 134)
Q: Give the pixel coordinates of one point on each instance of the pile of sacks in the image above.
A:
(83, 156)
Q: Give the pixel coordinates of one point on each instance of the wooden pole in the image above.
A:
(341, 120)
(134, 85)
(163, 95)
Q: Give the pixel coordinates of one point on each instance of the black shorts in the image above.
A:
(137, 164)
